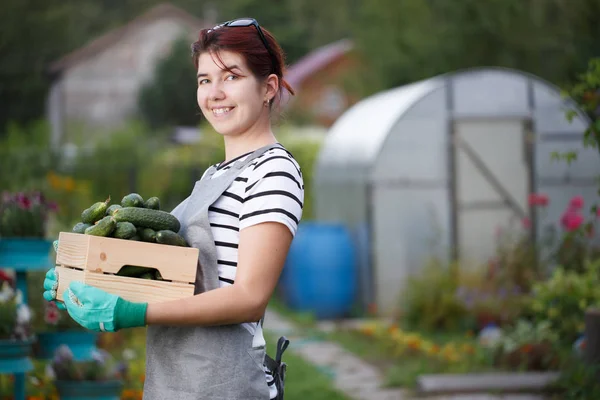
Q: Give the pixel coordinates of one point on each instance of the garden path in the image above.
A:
(354, 377)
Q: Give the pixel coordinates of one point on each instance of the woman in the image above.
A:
(242, 215)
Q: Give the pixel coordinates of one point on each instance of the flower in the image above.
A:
(101, 367)
(538, 199)
(15, 316)
(24, 214)
(571, 220)
(576, 203)
(51, 316)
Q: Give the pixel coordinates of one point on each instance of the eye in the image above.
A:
(231, 77)
(202, 81)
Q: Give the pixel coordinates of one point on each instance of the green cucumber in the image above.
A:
(104, 227)
(96, 212)
(132, 271)
(148, 218)
(80, 227)
(111, 210)
(132, 200)
(148, 235)
(124, 230)
(170, 238)
(136, 237)
(152, 203)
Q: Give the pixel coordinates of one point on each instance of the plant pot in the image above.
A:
(81, 343)
(14, 356)
(25, 254)
(86, 390)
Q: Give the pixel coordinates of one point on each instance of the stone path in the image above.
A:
(350, 374)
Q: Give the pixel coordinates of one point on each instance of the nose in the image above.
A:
(216, 91)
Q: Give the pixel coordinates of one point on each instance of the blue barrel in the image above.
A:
(320, 271)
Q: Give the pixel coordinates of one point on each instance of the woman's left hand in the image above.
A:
(100, 311)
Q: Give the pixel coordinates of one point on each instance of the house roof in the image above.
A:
(110, 38)
(315, 60)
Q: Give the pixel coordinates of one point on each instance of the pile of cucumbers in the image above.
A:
(133, 219)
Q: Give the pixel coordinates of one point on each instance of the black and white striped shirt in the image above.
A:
(270, 189)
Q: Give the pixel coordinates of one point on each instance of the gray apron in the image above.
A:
(205, 362)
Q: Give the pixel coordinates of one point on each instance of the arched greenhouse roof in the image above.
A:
(357, 136)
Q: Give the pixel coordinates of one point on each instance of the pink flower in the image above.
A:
(51, 316)
(571, 220)
(538, 199)
(576, 203)
(23, 201)
(526, 222)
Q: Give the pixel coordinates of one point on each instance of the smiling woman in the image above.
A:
(241, 215)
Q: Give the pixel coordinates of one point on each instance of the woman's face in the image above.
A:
(233, 103)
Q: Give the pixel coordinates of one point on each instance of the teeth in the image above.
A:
(221, 111)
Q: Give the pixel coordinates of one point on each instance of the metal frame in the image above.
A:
(454, 143)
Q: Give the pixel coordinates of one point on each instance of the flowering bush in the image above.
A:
(15, 316)
(402, 344)
(24, 214)
(527, 345)
(101, 367)
(563, 299)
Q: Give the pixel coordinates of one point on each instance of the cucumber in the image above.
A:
(124, 230)
(148, 235)
(80, 227)
(147, 218)
(111, 210)
(170, 238)
(95, 212)
(132, 200)
(132, 271)
(152, 203)
(136, 237)
(104, 227)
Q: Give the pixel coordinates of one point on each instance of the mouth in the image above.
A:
(219, 112)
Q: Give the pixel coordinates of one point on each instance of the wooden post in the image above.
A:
(591, 353)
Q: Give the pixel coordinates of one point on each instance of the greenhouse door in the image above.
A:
(492, 172)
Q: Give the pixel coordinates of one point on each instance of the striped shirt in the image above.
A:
(269, 189)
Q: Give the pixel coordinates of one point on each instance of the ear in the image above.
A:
(272, 86)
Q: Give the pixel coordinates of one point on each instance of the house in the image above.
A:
(318, 80)
(97, 85)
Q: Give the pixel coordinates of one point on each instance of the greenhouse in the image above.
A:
(438, 167)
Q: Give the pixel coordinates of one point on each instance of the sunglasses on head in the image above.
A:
(244, 22)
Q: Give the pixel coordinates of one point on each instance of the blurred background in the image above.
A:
(449, 149)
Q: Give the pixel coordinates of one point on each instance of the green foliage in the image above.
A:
(170, 98)
(563, 298)
(429, 300)
(578, 381)
(526, 333)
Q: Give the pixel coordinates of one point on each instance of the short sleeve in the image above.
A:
(274, 192)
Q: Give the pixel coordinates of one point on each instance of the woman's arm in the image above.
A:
(261, 255)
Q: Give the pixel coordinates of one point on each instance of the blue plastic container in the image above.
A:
(26, 254)
(320, 271)
(89, 390)
(82, 344)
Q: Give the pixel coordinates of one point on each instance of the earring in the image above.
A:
(267, 103)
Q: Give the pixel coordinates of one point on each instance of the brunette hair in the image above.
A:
(246, 42)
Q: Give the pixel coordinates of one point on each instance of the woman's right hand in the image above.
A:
(50, 288)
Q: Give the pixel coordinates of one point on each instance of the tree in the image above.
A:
(170, 98)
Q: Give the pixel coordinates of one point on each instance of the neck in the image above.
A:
(235, 146)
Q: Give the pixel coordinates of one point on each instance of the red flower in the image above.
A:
(576, 203)
(23, 201)
(4, 277)
(538, 199)
(52, 316)
(571, 220)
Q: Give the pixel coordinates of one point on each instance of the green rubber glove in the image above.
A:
(100, 311)
(50, 288)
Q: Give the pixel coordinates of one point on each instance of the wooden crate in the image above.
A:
(95, 260)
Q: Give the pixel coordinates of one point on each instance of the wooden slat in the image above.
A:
(66, 276)
(109, 255)
(132, 289)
